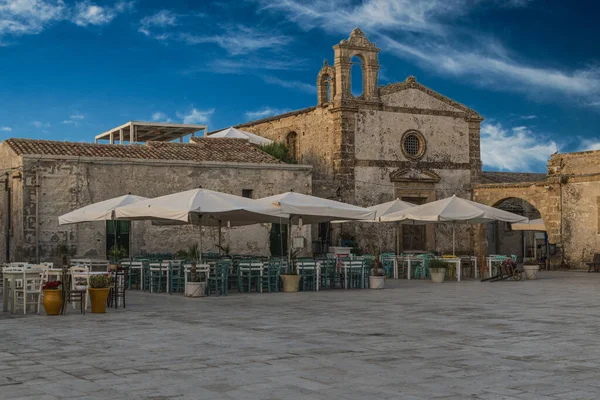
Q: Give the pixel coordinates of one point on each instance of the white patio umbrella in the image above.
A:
(101, 211)
(239, 134)
(454, 210)
(305, 209)
(200, 207)
(384, 209)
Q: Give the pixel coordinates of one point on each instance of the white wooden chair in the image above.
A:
(80, 277)
(29, 289)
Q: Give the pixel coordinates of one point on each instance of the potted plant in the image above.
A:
(196, 285)
(437, 269)
(531, 268)
(117, 253)
(98, 290)
(377, 276)
(291, 280)
(52, 297)
(64, 252)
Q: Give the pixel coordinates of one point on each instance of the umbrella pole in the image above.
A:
(289, 243)
(453, 239)
(200, 242)
(219, 236)
(115, 228)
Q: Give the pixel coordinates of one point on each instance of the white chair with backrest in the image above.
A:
(29, 290)
(80, 277)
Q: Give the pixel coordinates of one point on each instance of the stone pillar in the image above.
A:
(474, 147)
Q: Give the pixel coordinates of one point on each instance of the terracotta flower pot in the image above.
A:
(291, 283)
(98, 298)
(53, 301)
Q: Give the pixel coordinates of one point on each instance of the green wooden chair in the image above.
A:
(219, 280)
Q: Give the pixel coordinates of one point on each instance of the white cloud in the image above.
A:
(528, 117)
(74, 119)
(296, 85)
(344, 15)
(161, 19)
(588, 144)
(87, 13)
(265, 112)
(160, 116)
(195, 116)
(237, 40)
(514, 149)
(6, 129)
(422, 32)
(39, 124)
(27, 17)
(238, 66)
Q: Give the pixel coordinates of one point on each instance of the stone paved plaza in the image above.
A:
(417, 340)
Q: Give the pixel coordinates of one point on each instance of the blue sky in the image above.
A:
(70, 70)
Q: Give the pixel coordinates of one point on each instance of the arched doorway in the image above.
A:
(502, 239)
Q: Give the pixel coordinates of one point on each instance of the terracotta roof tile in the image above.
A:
(223, 150)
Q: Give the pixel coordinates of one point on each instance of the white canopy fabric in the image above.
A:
(453, 209)
(239, 134)
(532, 225)
(384, 209)
(101, 211)
(201, 207)
(313, 209)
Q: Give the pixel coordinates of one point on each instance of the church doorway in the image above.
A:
(414, 237)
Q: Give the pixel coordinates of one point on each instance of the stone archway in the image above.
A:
(544, 196)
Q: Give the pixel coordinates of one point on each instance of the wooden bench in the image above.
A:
(595, 265)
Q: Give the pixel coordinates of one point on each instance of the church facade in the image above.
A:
(402, 140)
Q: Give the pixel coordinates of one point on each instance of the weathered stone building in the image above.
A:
(41, 180)
(567, 199)
(401, 140)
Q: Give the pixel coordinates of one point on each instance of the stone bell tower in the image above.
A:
(356, 45)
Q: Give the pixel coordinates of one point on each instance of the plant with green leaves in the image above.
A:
(192, 254)
(64, 251)
(117, 253)
(100, 281)
(530, 261)
(376, 267)
(438, 264)
(280, 151)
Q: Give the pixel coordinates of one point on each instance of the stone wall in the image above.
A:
(70, 183)
(568, 202)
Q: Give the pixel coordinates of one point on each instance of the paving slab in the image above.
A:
(413, 340)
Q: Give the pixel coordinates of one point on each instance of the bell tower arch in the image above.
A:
(357, 45)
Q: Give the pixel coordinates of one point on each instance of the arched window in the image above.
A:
(357, 76)
(291, 141)
(325, 84)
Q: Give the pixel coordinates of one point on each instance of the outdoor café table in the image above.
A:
(249, 266)
(455, 261)
(490, 261)
(160, 268)
(473, 260)
(301, 265)
(353, 264)
(9, 279)
(406, 259)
